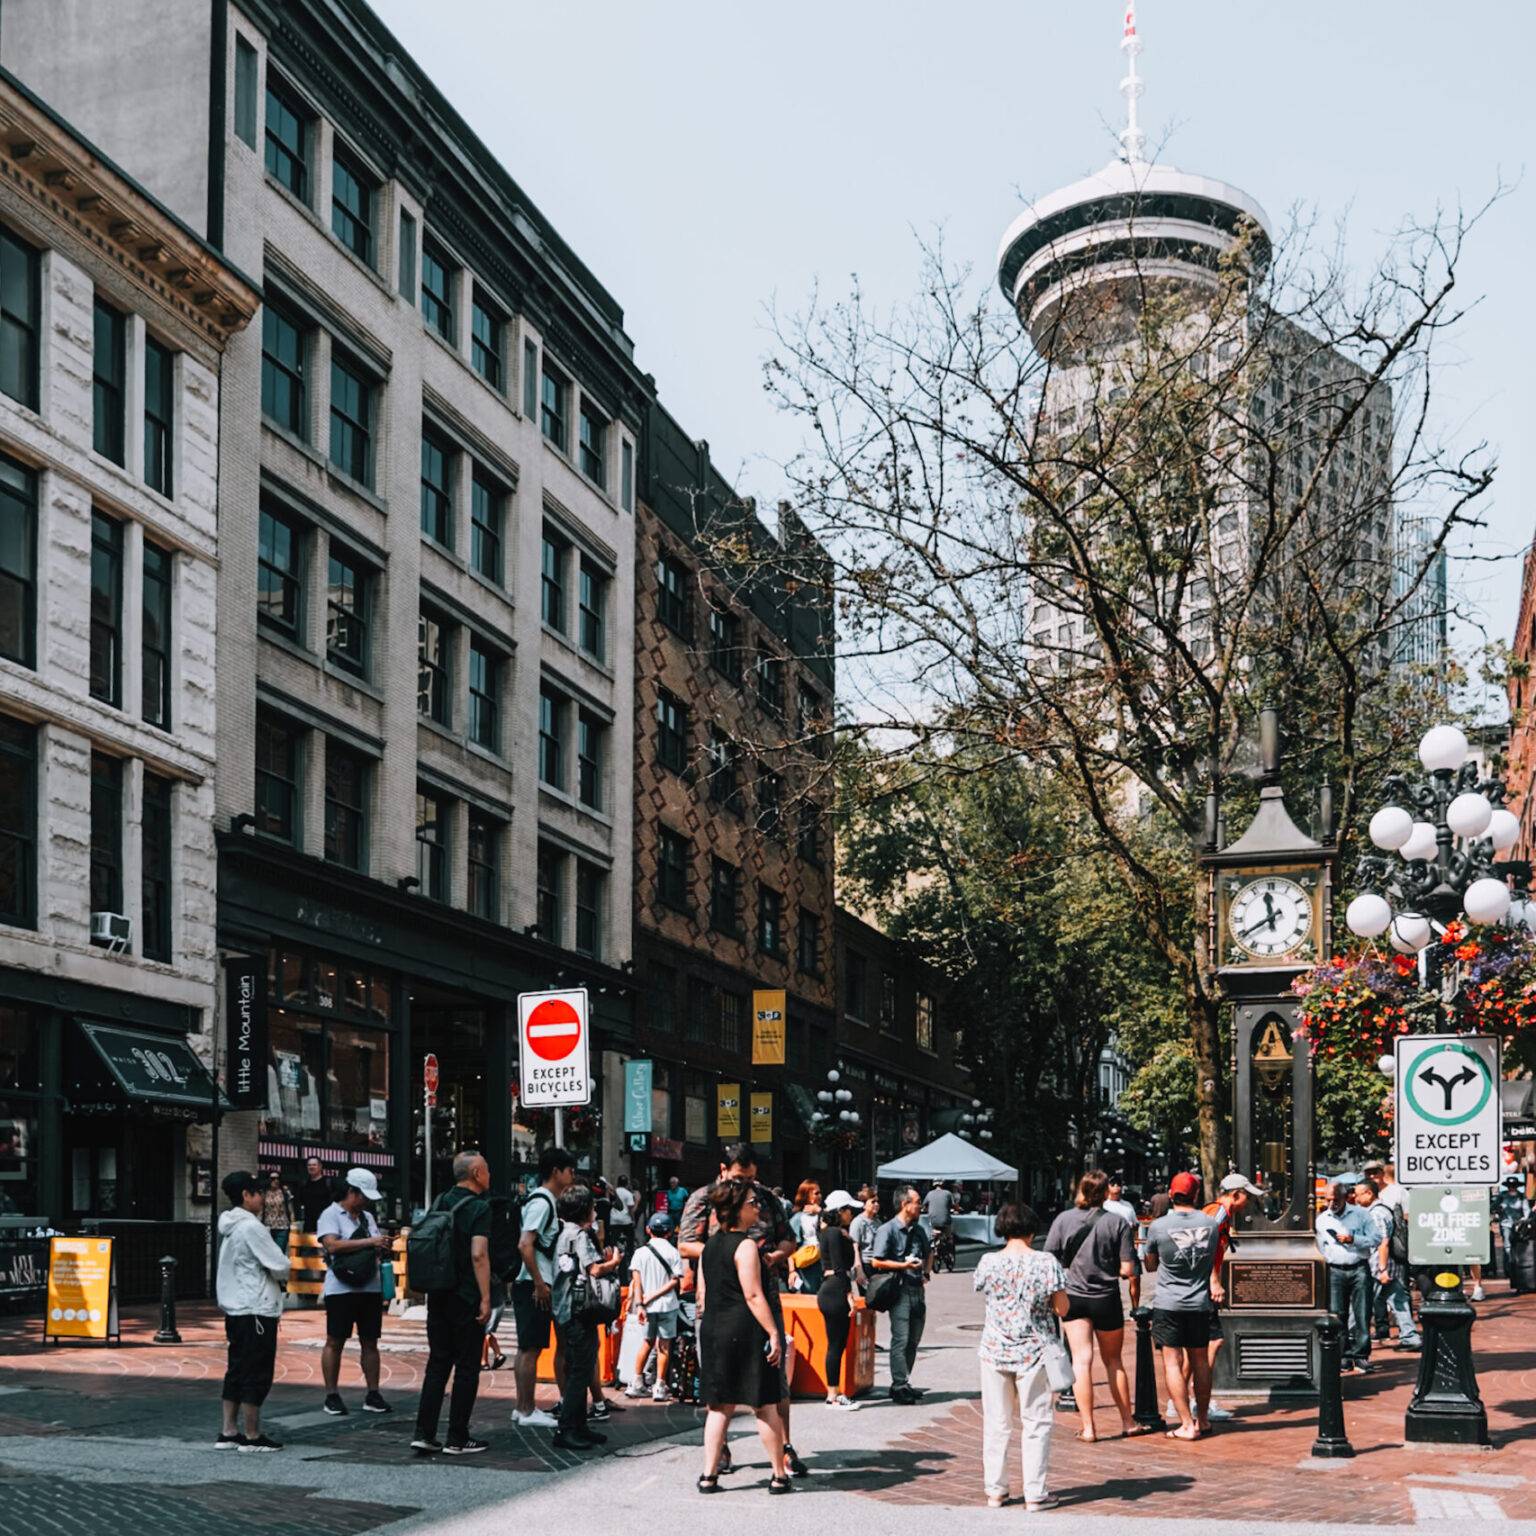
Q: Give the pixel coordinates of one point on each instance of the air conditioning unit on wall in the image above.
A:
(112, 930)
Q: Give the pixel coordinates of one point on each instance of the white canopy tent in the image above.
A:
(950, 1157)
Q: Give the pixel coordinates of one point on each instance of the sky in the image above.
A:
(708, 161)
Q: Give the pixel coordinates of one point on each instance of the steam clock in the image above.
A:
(1268, 905)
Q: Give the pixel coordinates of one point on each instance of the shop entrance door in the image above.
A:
(118, 1166)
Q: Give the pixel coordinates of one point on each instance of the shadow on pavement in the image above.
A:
(1126, 1489)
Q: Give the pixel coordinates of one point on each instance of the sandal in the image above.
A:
(778, 1485)
(709, 1482)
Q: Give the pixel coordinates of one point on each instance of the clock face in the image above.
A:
(1270, 916)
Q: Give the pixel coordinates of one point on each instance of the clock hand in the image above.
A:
(1269, 908)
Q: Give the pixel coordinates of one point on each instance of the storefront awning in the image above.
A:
(142, 1068)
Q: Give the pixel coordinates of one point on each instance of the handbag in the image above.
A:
(1057, 1359)
(359, 1266)
(805, 1255)
(883, 1289)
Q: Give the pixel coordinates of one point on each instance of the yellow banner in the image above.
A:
(80, 1300)
(728, 1110)
(768, 1029)
(762, 1119)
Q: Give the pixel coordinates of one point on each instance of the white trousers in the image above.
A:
(1006, 1397)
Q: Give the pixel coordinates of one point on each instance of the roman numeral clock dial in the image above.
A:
(1269, 917)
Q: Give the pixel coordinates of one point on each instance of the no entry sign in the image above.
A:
(1447, 1127)
(553, 1048)
(429, 1080)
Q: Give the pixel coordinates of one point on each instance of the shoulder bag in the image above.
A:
(360, 1265)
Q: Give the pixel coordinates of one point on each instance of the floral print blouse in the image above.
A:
(1018, 1288)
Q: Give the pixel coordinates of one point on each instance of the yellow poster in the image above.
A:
(768, 1029)
(728, 1110)
(762, 1119)
(81, 1304)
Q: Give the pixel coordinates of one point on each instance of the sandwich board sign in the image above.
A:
(1448, 1127)
(554, 1048)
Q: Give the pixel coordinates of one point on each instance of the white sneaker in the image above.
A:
(659, 1395)
(537, 1419)
(1215, 1411)
(1479, 1294)
(846, 1404)
(634, 1389)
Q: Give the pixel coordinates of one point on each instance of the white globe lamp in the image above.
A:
(1422, 842)
(1387, 1066)
(1410, 933)
(1391, 827)
(1503, 829)
(1486, 901)
(1468, 815)
(1368, 915)
(1443, 749)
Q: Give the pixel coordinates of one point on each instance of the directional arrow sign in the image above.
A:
(553, 1048)
(1448, 1125)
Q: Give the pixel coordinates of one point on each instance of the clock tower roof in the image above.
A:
(1270, 834)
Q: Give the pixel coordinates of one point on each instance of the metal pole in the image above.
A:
(427, 1143)
(1332, 1440)
(167, 1333)
(559, 1127)
(1147, 1413)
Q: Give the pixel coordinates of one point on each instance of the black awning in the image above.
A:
(143, 1068)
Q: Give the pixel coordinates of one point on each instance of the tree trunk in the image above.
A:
(1210, 1085)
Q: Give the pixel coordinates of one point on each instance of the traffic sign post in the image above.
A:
(1448, 1124)
(554, 1050)
(429, 1081)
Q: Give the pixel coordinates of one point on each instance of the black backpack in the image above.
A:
(430, 1254)
(518, 1206)
(1397, 1244)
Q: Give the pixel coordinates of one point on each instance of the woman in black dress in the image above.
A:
(738, 1335)
(835, 1296)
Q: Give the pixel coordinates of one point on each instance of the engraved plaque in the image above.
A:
(1255, 1283)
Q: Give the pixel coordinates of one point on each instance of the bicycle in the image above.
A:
(944, 1250)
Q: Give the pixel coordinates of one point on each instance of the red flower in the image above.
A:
(1466, 952)
(1404, 965)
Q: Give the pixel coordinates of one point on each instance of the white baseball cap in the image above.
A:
(363, 1181)
(841, 1200)
(1236, 1181)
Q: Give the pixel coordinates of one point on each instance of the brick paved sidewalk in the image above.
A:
(1258, 1466)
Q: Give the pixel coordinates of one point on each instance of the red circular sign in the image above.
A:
(429, 1074)
(553, 1029)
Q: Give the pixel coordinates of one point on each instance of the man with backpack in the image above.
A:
(532, 1291)
(449, 1259)
(1385, 1267)
(353, 1298)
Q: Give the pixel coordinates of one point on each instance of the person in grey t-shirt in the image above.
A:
(1180, 1250)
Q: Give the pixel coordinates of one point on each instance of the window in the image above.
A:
(106, 610)
(551, 865)
(627, 476)
(770, 920)
(770, 682)
(924, 1014)
(245, 92)
(484, 696)
(346, 611)
(671, 732)
(18, 563)
(855, 986)
(19, 304)
(437, 288)
(277, 777)
(485, 327)
(155, 868)
(433, 678)
(672, 605)
(407, 256)
(486, 500)
(553, 710)
(808, 943)
(432, 844)
(674, 853)
(724, 896)
(552, 580)
(592, 606)
(352, 205)
(530, 380)
(279, 581)
(106, 833)
(287, 140)
(552, 397)
(18, 822)
(282, 371)
(662, 987)
(811, 721)
(159, 409)
(346, 803)
(725, 643)
(484, 847)
(589, 909)
(436, 488)
(732, 1013)
(155, 636)
(351, 422)
(808, 842)
(591, 738)
(724, 778)
(887, 1002)
(770, 802)
(108, 375)
(594, 437)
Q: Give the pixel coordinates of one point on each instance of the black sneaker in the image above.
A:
(426, 1444)
(229, 1442)
(598, 1412)
(577, 1440)
(261, 1443)
(465, 1447)
(334, 1404)
(374, 1403)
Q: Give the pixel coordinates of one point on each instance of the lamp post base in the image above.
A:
(1447, 1408)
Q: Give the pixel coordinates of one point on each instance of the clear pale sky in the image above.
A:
(708, 159)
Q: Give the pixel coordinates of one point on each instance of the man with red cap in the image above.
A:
(1180, 1251)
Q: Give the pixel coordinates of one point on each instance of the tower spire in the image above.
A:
(1133, 142)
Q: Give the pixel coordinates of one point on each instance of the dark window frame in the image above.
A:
(554, 405)
(157, 586)
(487, 519)
(159, 417)
(351, 443)
(592, 583)
(592, 443)
(484, 722)
(434, 666)
(768, 676)
(106, 878)
(433, 844)
(109, 381)
(770, 920)
(554, 570)
(591, 887)
(106, 679)
(20, 329)
(18, 561)
(674, 861)
(724, 783)
(347, 618)
(346, 820)
(487, 338)
(437, 301)
(674, 605)
(554, 731)
(808, 942)
(18, 841)
(482, 894)
(291, 373)
(549, 870)
(353, 208)
(156, 869)
(245, 91)
(725, 643)
(438, 471)
(856, 986)
(288, 580)
(591, 755)
(278, 781)
(289, 147)
(671, 732)
(724, 897)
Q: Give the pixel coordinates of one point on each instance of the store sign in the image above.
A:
(82, 1291)
(245, 1038)
(728, 1110)
(638, 1078)
(1447, 1124)
(553, 1039)
(762, 1119)
(1449, 1225)
(665, 1150)
(768, 1009)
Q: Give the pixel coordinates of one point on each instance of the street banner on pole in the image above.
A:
(553, 1049)
(1447, 1127)
(1449, 1225)
(728, 1111)
(245, 1024)
(637, 1096)
(768, 1029)
(762, 1119)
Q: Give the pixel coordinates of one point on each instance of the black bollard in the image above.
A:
(1447, 1408)
(1147, 1413)
(167, 1333)
(1332, 1441)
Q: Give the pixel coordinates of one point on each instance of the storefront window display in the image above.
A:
(20, 1082)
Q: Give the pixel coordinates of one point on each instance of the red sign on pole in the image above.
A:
(429, 1080)
(554, 1048)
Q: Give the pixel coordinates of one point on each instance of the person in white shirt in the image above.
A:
(655, 1277)
(1118, 1205)
(1344, 1238)
(621, 1218)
